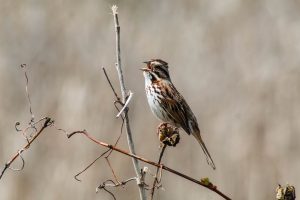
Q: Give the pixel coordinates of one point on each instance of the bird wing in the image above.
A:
(177, 108)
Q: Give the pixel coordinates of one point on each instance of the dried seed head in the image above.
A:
(168, 134)
(285, 193)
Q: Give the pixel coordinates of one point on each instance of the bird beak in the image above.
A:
(145, 69)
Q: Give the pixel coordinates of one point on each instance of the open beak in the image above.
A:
(145, 69)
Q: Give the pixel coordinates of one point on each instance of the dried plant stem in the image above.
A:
(24, 67)
(85, 133)
(156, 180)
(47, 123)
(125, 114)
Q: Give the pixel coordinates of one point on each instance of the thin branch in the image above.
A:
(109, 192)
(112, 87)
(87, 167)
(24, 67)
(47, 123)
(112, 170)
(31, 126)
(123, 91)
(208, 186)
(118, 52)
(111, 183)
(23, 161)
(121, 132)
(156, 180)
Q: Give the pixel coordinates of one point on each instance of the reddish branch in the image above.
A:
(214, 189)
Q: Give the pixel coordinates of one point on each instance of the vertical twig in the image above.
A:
(123, 91)
(23, 66)
(156, 180)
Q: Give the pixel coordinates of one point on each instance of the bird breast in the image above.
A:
(154, 96)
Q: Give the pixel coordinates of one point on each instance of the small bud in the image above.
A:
(207, 182)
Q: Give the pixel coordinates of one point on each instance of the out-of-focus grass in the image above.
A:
(236, 62)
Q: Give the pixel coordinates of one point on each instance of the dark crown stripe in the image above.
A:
(160, 61)
(163, 70)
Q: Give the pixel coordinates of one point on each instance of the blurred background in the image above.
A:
(236, 62)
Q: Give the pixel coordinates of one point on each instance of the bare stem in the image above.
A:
(156, 180)
(111, 86)
(87, 167)
(23, 66)
(125, 113)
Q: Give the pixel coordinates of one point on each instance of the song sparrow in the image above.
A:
(167, 104)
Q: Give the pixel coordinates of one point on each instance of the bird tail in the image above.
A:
(209, 160)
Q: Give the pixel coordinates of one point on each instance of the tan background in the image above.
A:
(236, 62)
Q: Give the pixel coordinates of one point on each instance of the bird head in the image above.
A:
(156, 69)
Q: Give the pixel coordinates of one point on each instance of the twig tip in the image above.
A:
(114, 8)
